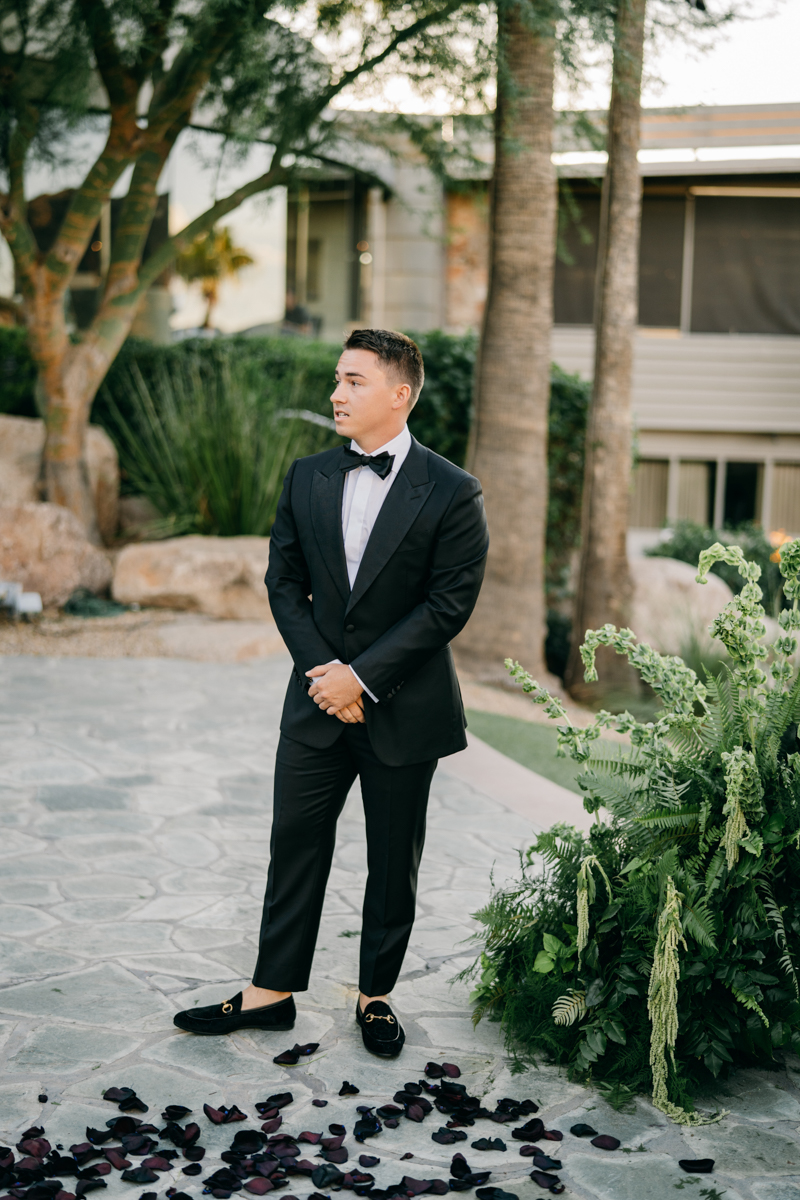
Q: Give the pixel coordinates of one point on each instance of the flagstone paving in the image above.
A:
(134, 823)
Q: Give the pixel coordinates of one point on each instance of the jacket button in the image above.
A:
(349, 628)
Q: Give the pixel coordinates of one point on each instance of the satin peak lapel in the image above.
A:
(398, 513)
(326, 517)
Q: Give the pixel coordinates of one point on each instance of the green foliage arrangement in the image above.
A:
(17, 373)
(688, 539)
(661, 949)
(208, 447)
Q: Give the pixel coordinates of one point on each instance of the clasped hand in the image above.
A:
(337, 692)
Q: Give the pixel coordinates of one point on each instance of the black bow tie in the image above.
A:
(381, 464)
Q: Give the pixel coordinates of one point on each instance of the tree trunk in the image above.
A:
(604, 584)
(508, 450)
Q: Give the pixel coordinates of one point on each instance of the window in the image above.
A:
(649, 499)
(786, 497)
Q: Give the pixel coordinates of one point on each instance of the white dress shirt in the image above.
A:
(362, 500)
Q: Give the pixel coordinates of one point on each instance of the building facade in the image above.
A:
(716, 389)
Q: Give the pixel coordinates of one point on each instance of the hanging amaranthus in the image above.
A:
(586, 894)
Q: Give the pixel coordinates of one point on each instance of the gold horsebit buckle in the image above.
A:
(227, 1007)
(378, 1017)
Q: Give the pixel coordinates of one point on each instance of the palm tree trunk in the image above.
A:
(508, 450)
(604, 584)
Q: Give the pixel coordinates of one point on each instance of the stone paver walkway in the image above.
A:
(134, 804)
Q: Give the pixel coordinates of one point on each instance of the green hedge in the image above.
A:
(440, 420)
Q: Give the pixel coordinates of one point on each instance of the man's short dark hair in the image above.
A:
(396, 352)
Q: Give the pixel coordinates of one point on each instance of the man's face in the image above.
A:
(368, 403)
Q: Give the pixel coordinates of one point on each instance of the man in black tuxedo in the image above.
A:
(376, 560)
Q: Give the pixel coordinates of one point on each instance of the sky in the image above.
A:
(752, 61)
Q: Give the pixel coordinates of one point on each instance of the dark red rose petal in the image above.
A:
(528, 1151)
(84, 1186)
(337, 1130)
(213, 1114)
(543, 1162)
(280, 1099)
(306, 1049)
(123, 1126)
(606, 1142)
(325, 1175)
(391, 1123)
(451, 1070)
(157, 1163)
(368, 1160)
(288, 1058)
(98, 1136)
(348, 1089)
(272, 1126)
(553, 1135)
(192, 1169)
(696, 1166)
(333, 1143)
(445, 1137)
(495, 1193)
(336, 1156)
(434, 1070)
(149, 1196)
(386, 1111)
(259, 1186)
(139, 1175)
(312, 1138)
(116, 1094)
(194, 1153)
(173, 1195)
(544, 1180)
(175, 1112)
(319, 1104)
(582, 1130)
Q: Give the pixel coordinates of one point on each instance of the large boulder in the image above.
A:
(222, 577)
(21, 446)
(44, 547)
(670, 611)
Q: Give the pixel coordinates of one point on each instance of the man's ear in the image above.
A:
(402, 395)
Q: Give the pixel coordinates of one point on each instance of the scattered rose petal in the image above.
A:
(387, 1111)
(325, 1175)
(288, 1058)
(495, 1193)
(544, 1163)
(434, 1070)
(259, 1186)
(157, 1163)
(531, 1131)
(272, 1126)
(213, 1114)
(175, 1112)
(696, 1166)
(605, 1142)
(543, 1179)
(279, 1100)
(149, 1196)
(489, 1144)
(139, 1175)
(348, 1089)
(116, 1094)
(336, 1156)
(445, 1137)
(407, 1155)
(88, 1185)
(451, 1070)
(312, 1138)
(98, 1136)
(368, 1160)
(194, 1153)
(553, 1135)
(318, 1104)
(391, 1123)
(192, 1169)
(582, 1130)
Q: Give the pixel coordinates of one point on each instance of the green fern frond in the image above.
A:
(750, 1003)
(570, 1008)
(670, 820)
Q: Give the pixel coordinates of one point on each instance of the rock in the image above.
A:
(21, 445)
(221, 577)
(44, 547)
(670, 611)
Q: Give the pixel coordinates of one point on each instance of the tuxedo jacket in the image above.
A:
(416, 586)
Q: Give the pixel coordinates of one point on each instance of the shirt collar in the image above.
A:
(399, 446)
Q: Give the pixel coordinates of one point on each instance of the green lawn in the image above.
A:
(534, 746)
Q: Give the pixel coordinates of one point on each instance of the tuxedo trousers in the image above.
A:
(311, 786)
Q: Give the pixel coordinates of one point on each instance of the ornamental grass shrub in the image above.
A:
(660, 950)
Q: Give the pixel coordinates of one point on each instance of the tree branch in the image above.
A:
(119, 82)
(13, 212)
(167, 253)
(404, 35)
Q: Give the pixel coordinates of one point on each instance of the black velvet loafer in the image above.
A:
(228, 1017)
(382, 1032)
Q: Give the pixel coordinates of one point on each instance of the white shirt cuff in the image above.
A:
(362, 685)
